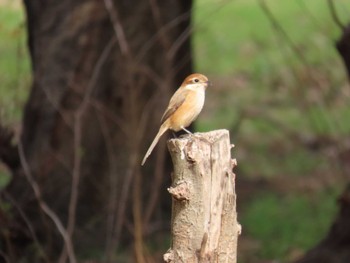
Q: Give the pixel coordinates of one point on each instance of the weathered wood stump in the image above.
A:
(204, 219)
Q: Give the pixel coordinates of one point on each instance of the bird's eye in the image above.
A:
(196, 80)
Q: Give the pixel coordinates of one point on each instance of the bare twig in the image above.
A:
(334, 15)
(137, 214)
(278, 27)
(158, 178)
(111, 116)
(29, 225)
(46, 209)
(113, 181)
(165, 40)
(299, 55)
(96, 72)
(136, 126)
(77, 137)
(118, 29)
(153, 40)
(179, 42)
(117, 209)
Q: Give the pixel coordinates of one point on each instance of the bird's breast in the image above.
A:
(189, 110)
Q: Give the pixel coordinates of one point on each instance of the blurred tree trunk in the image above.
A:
(343, 46)
(102, 74)
(335, 247)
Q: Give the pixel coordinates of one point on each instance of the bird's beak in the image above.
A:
(208, 83)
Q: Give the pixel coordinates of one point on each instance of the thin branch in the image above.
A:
(77, 137)
(96, 72)
(118, 29)
(153, 40)
(153, 199)
(164, 39)
(113, 183)
(280, 29)
(46, 209)
(179, 42)
(137, 205)
(151, 74)
(122, 203)
(110, 115)
(299, 55)
(334, 15)
(29, 225)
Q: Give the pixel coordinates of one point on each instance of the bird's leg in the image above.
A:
(183, 128)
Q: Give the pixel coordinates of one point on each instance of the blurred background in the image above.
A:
(279, 86)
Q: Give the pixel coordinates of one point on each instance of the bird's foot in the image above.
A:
(184, 129)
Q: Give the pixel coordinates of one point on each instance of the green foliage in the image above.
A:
(4, 178)
(284, 224)
(274, 89)
(280, 86)
(14, 70)
(230, 35)
(14, 63)
(277, 83)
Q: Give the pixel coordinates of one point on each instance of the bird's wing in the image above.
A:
(175, 102)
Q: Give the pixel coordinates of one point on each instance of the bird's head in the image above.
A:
(195, 81)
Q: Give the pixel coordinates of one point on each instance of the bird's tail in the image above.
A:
(161, 131)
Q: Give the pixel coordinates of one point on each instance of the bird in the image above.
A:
(184, 107)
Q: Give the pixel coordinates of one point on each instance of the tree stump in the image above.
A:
(204, 218)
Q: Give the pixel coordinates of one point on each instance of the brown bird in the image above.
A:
(184, 107)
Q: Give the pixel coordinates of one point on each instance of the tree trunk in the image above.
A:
(102, 74)
(204, 217)
(343, 47)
